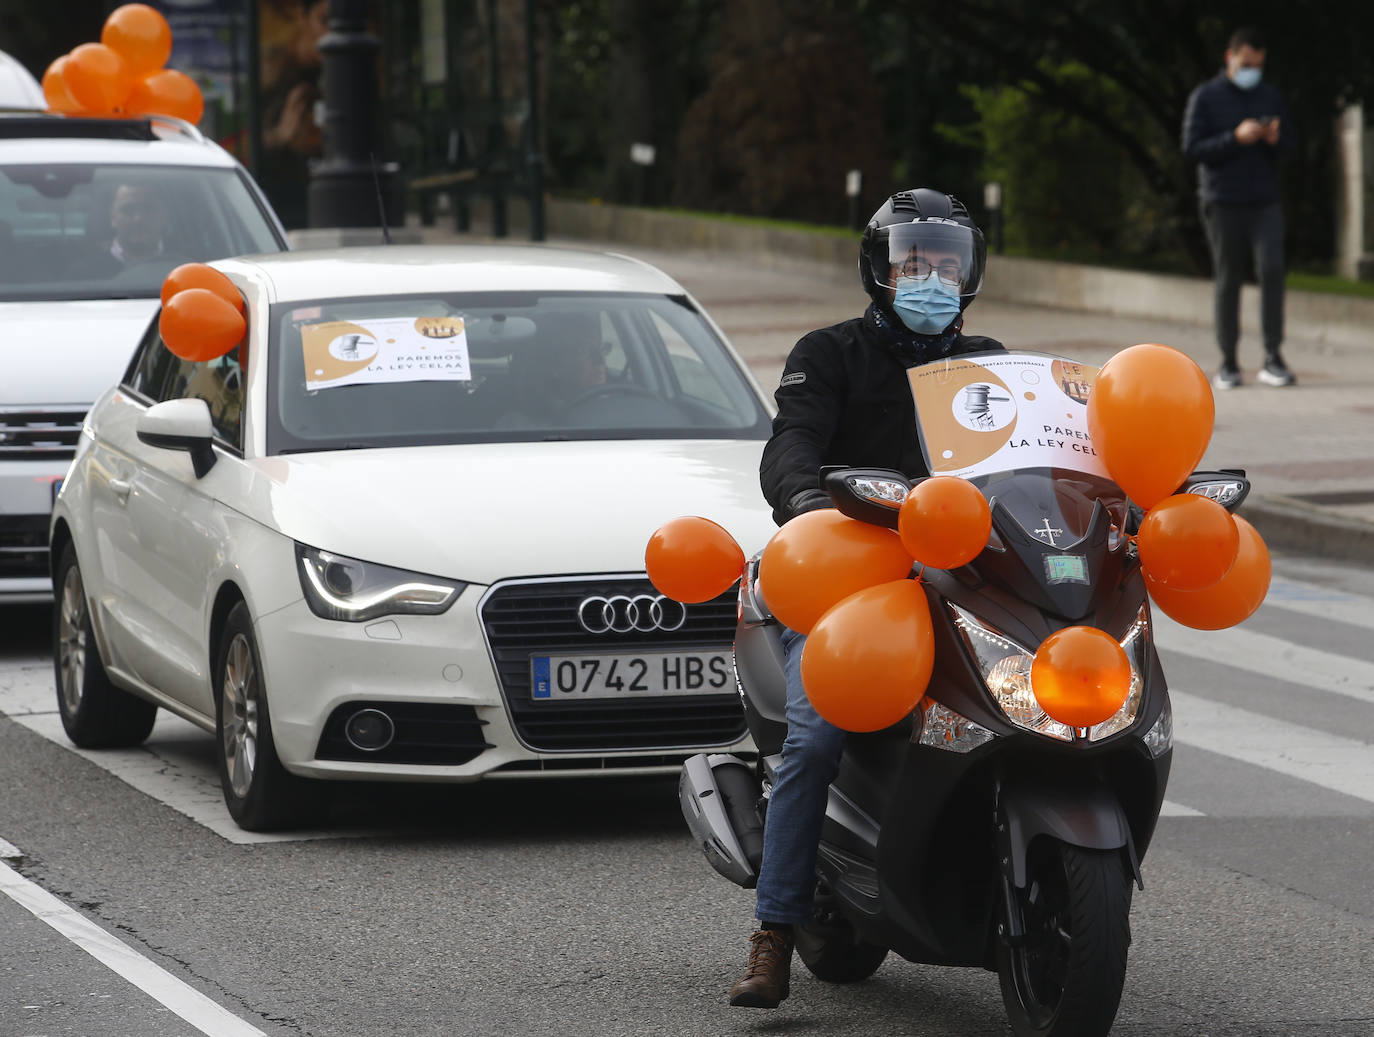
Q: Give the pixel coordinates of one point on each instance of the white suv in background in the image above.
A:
(93, 215)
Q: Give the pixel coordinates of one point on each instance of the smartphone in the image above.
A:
(1265, 120)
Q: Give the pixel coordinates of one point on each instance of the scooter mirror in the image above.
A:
(1227, 487)
(872, 495)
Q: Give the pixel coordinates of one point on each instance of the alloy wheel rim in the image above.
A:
(240, 716)
(71, 640)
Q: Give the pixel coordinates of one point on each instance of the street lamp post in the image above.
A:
(534, 155)
(345, 184)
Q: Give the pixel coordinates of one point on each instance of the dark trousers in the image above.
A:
(1236, 233)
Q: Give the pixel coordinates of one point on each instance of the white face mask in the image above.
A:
(1247, 77)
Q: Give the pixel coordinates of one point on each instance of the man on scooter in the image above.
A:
(844, 399)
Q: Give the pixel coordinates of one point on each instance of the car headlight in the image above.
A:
(1006, 668)
(342, 588)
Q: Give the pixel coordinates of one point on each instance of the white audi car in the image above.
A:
(399, 533)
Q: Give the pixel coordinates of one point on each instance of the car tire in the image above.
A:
(260, 793)
(95, 714)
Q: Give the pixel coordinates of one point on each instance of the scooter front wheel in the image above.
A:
(830, 948)
(1065, 975)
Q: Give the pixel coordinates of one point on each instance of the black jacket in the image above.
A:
(1229, 172)
(844, 399)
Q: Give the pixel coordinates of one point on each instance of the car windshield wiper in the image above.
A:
(325, 448)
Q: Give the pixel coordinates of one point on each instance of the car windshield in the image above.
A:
(90, 231)
(508, 367)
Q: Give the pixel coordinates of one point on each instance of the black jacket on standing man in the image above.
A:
(844, 399)
(1231, 173)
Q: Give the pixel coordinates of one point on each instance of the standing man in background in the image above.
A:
(1235, 128)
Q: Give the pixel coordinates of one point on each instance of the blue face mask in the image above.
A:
(926, 305)
(1247, 78)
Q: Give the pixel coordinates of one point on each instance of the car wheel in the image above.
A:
(95, 713)
(260, 793)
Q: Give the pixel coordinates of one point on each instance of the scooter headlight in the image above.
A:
(1136, 644)
(1006, 668)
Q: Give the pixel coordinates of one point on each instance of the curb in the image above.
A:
(1285, 523)
(1293, 525)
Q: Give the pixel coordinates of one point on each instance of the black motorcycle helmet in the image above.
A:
(908, 224)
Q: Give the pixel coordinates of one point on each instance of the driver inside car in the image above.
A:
(566, 362)
(138, 219)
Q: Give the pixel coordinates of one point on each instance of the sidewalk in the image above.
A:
(1308, 449)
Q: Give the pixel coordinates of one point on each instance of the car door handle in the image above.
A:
(121, 488)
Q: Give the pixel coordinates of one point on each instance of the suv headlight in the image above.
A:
(342, 588)
(1006, 668)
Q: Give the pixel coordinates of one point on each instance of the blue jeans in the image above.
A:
(796, 808)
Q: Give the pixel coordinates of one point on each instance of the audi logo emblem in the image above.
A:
(621, 614)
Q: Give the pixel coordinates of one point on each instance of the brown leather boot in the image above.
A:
(766, 979)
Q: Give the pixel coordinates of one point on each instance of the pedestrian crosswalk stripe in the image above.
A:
(1321, 602)
(1171, 809)
(1269, 656)
(1344, 765)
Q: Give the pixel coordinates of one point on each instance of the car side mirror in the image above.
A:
(181, 425)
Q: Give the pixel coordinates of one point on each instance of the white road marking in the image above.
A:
(10, 852)
(1322, 602)
(1270, 656)
(1172, 809)
(187, 1002)
(175, 766)
(1344, 765)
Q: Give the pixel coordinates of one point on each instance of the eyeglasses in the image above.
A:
(950, 271)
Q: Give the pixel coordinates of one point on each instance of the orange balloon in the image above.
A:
(1232, 599)
(693, 559)
(140, 35)
(1080, 676)
(97, 78)
(201, 275)
(197, 325)
(821, 557)
(868, 660)
(1150, 415)
(944, 522)
(168, 92)
(55, 89)
(1187, 542)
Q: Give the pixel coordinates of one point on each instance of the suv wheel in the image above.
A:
(95, 713)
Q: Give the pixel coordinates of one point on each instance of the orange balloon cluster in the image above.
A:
(1150, 417)
(1232, 599)
(1080, 676)
(944, 522)
(123, 73)
(822, 557)
(202, 313)
(868, 660)
(693, 559)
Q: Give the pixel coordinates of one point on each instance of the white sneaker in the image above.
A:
(1275, 372)
(1227, 377)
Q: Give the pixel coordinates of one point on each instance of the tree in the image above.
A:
(1152, 55)
(790, 107)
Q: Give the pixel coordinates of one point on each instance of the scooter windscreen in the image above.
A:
(1016, 426)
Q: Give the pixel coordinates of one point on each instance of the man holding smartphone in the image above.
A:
(1235, 129)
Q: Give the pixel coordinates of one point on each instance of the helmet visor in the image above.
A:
(951, 251)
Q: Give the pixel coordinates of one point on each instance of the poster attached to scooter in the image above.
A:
(998, 412)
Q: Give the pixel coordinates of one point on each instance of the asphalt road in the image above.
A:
(582, 908)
